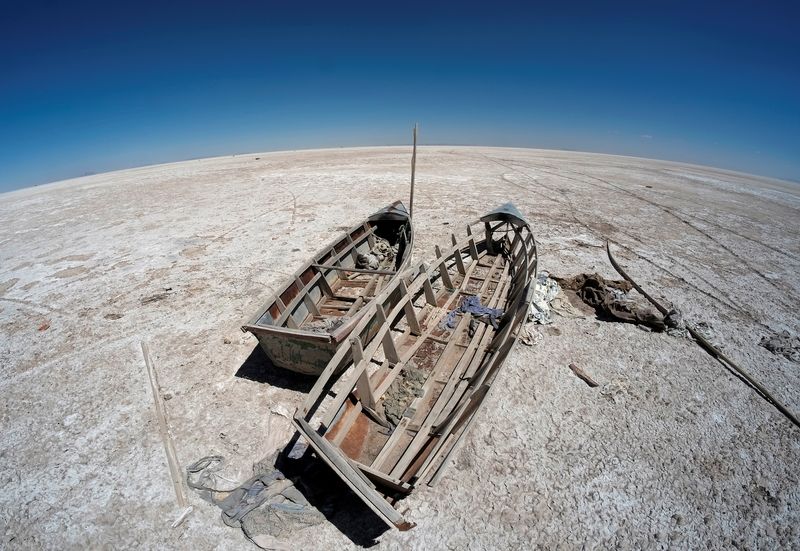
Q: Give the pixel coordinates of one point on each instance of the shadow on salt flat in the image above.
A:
(259, 368)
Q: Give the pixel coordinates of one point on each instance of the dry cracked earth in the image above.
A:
(670, 450)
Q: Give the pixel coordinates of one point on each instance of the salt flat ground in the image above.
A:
(669, 451)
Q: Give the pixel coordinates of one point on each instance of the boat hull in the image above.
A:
(296, 353)
(330, 288)
(414, 384)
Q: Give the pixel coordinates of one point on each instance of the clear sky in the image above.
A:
(90, 87)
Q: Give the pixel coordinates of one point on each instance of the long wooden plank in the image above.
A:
(369, 352)
(355, 270)
(473, 354)
(377, 463)
(383, 478)
(163, 429)
(346, 388)
(488, 368)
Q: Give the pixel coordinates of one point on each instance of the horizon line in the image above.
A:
(787, 180)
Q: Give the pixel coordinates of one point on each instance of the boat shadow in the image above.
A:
(259, 368)
(324, 491)
(327, 493)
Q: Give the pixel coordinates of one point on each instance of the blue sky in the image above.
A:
(91, 87)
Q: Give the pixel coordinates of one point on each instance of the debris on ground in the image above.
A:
(267, 507)
(548, 298)
(529, 335)
(583, 375)
(611, 299)
(156, 297)
(783, 344)
(545, 290)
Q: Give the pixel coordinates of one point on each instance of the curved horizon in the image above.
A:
(396, 146)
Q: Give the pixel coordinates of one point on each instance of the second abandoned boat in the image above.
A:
(424, 357)
(301, 326)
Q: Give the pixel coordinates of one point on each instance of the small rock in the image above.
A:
(226, 340)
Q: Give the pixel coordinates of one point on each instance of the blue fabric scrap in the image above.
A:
(472, 305)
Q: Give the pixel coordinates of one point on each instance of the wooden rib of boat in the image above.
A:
(412, 388)
(301, 326)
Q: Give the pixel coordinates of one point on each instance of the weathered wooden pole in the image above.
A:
(413, 166)
(163, 429)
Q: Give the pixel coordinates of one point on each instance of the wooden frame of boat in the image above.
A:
(383, 461)
(330, 290)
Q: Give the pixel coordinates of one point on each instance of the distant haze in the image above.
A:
(91, 87)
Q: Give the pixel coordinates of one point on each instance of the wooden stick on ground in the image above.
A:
(708, 347)
(583, 375)
(163, 429)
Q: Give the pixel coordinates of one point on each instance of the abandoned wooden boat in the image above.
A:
(412, 387)
(301, 326)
